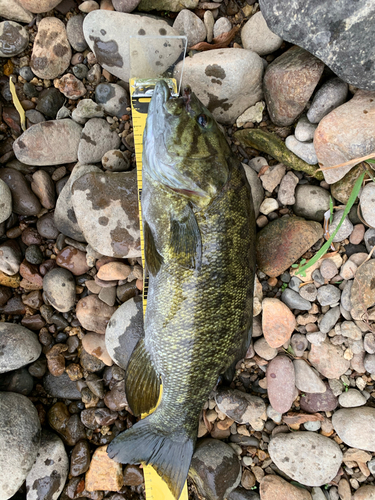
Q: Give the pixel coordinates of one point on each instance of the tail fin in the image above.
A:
(143, 443)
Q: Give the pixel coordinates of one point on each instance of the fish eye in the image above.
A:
(202, 120)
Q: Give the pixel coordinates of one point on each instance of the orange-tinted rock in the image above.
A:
(94, 344)
(363, 291)
(38, 6)
(346, 133)
(93, 314)
(283, 241)
(114, 271)
(104, 473)
(73, 259)
(278, 322)
(30, 273)
(328, 359)
(281, 383)
(288, 84)
(274, 487)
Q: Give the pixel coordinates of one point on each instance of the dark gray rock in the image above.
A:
(311, 202)
(338, 33)
(329, 319)
(13, 39)
(294, 301)
(61, 387)
(330, 95)
(19, 381)
(74, 32)
(24, 200)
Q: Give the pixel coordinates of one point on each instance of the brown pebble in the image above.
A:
(80, 458)
(31, 274)
(72, 259)
(30, 236)
(44, 188)
(14, 232)
(114, 271)
(74, 371)
(357, 234)
(133, 475)
(33, 299)
(56, 360)
(248, 479)
(5, 295)
(34, 322)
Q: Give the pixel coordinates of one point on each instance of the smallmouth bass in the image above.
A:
(199, 230)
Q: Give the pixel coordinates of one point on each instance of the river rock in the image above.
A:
(306, 457)
(366, 492)
(13, 39)
(257, 191)
(315, 402)
(104, 473)
(74, 32)
(215, 469)
(328, 359)
(363, 290)
(20, 346)
(11, 9)
(51, 50)
(281, 383)
(50, 470)
(256, 36)
(289, 82)
(97, 138)
(107, 34)
(305, 130)
(345, 133)
(10, 257)
(352, 398)
(93, 314)
(368, 203)
(172, 5)
(65, 217)
(60, 289)
(38, 6)
(106, 207)
(330, 95)
(328, 31)
(113, 98)
(94, 344)
(124, 330)
(354, 426)
(226, 81)
(187, 23)
(5, 201)
(272, 487)
(304, 150)
(278, 322)
(241, 407)
(306, 378)
(282, 242)
(61, 387)
(53, 142)
(24, 200)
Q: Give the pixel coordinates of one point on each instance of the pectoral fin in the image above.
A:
(186, 240)
(142, 383)
(153, 258)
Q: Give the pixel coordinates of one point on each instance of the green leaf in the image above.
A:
(370, 161)
(325, 247)
(294, 265)
(330, 209)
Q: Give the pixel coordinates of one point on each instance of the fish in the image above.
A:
(199, 233)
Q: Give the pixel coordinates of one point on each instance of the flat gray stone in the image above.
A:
(330, 95)
(97, 138)
(304, 150)
(355, 427)
(306, 378)
(311, 202)
(60, 289)
(294, 301)
(257, 36)
(13, 39)
(61, 387)
(304, 130)
(19, 347)
(352, 398)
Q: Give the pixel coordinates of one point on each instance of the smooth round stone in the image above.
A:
(264, 350)
(369, 343)
(330, 95)
(367, 199)
(124, 330)
(306, 379)
(34, 116)
(352, 398)
(328, 359)
(86, 109)
(19, 381)
(49, 102)
(5, 201)
(268, 205)
(80, 458)
(281, 383)
(19, 441)
(97, 138)
(311, 202)
(355, 427)
(113, 98)
(241, 407)
(273, 486)
(187, 23)
(366, 492)
(74, 32)
(34, 255)
(222, 25)
(38, 6)
(80, 71)
(68, 426)
(278, 322)
(328, 269)
(328, 294)
(51, 50)
(308, 292)
(125, 5)
(24, 200)
(294, 300)
(50, 470)
(257, 36)
(305, 130)
(10, 257)
(329, 319)
(115, 161)
(73, 259)
(20, 346)
(30, 90)
(312, 426)
(306, 457)
(11, 9)
(46, 226)
(315, 402)
(111, 225)
(60, 289)
(13, 39)
(304, 150)
(215, 469)
(93, 314)
(94, 344)
(61, 387)
(346, 227)
(88, 6)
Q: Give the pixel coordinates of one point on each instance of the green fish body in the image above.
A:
(199, 228)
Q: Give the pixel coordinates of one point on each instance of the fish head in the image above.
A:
(184, 149)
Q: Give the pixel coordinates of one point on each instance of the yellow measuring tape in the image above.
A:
(140, 89)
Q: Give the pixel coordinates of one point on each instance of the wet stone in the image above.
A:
(72, 259)
(20, 346)
(133, 476)
(42, 185)
(68, 426)
(61, 387)
(330, 95)
(24, 200)
(90, 362)
(13, 39)
(317, 402)
(10, 257)
(281, 383)
(49, 102)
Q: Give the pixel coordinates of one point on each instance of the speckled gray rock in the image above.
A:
(124, 330)
(113, 98)
(5, 202)
(328, 359)
(53, 142)
(97, 138)
(369, 239)
(368, 203)
(60, 289)
(86, 109)
(215, 469)
(19, 441)
(115, 161)
(226, 81)
(287, 189)
(187, 23)
(10, 257)
(243, 408)
(328, 295)
(125, 5)
(369, 363)
(329, 320)
(13, 39)
(330, 95)
(19, 345)
(345, 229)
(257, 36)
(311, 202)
(107, 34)
(306, 378)
(65, 218)
(106, 207)
(352, 398)
(61, 387)
(308, 292)
(11, 9)
(24, 200)
(306, 457)
(74, 31)
(304, 130)
(257, 191)
(355, 427)
(304, 150)
(47, 476)
(222, 25)
(294, 301)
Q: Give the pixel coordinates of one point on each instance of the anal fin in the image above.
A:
(142, 383)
